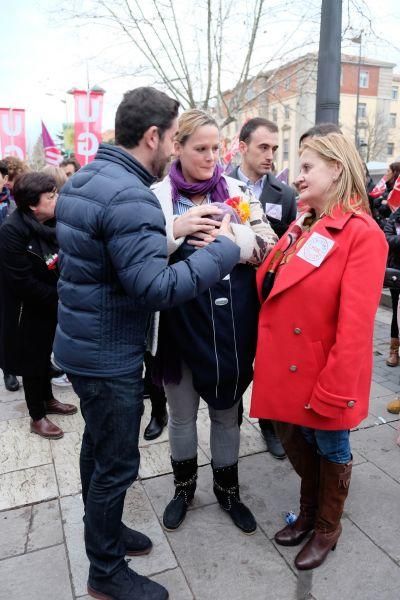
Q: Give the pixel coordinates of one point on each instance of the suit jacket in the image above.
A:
(279, 200)
(314, 351)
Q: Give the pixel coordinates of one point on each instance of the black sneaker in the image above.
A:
(126, 585)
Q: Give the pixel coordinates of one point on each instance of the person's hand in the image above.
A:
(196, 219)
(225, 228)
(201, 239)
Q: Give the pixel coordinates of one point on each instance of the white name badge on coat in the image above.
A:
(273, 210)
(315, 249)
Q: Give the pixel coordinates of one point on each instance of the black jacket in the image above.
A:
(392, 225)
(28, 300)
(276, 192)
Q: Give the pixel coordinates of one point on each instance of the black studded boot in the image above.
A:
(185, 476)
(226, 489)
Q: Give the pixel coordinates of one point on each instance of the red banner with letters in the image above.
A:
(88, 118)
(12, 133)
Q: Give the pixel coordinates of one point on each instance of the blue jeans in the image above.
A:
(334, 445)
(109, 462)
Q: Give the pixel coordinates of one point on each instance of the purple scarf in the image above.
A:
(216, 186)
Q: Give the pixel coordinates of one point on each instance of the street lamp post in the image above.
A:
(329, 60)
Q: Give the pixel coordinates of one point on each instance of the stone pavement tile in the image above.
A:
(384, 316)
(377, 407)
(378, 446)
(175, 583)
(45, 527)
(161, 489)
(222, 563)
(393, 386)
(373, 506)
(14, 526)
(66, 462)
(246, 405)
(155, 460)
(6, 396)
(38, 575)
(378, 390)
(138, 514)
(270, 488)
(72, 513)
(27, 486)
(20, 449)
(356, 570)
(13, 409)
(69, 423)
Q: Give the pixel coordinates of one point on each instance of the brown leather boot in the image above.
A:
(393, 358)
(333, 491)
(54, 407)
(305, 461)
(46, 429)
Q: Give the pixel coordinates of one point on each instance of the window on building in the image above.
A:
(364, 79)
(390, 149)
(275, 114)
(392, 120)
(287, 84)
(285, 150)
(395, 92)
(362, 110)
(287, 113)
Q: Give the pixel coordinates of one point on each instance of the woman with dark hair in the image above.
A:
(380, 208)
(28, 297)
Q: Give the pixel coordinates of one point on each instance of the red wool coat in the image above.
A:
(314, 352)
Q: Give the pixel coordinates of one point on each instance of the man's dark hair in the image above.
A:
(320, 130)
(3, 168)
(140, 109)
(29, 187)
(253, 124)
(70, 161)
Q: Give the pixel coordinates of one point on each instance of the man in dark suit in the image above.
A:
(258, 143)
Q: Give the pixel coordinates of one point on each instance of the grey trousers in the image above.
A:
(183, 404)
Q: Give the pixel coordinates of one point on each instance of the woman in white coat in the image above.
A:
(206, 346)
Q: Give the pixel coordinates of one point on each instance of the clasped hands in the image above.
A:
(198, 223)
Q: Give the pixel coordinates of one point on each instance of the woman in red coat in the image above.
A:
(320, 289)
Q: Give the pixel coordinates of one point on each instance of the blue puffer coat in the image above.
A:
(113, 261)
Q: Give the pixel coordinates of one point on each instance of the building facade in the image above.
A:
(287, 96)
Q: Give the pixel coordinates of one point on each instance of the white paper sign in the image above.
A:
(273, 210)
(315, 249)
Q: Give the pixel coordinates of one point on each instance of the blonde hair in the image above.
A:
(57, 173)
(189, 121)
(348, 191)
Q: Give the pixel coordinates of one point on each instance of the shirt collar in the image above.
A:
(248, 182)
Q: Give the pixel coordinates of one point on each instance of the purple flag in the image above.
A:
(51, 152)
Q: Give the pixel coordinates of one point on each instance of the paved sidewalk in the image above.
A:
(41, 547)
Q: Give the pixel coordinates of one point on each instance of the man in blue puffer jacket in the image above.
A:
(114, 272)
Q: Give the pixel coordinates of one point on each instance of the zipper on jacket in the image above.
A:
(21, 308)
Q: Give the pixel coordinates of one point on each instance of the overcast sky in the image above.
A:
(44, 54)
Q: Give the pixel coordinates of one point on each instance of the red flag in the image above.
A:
(52, 154)
(88, 116)
(379, 189)
(12, 133)
(394, 196)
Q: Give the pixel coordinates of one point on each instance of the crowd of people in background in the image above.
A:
(198, 275)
